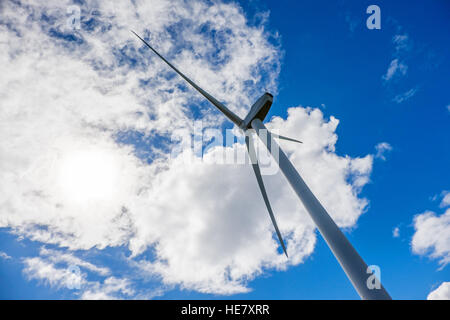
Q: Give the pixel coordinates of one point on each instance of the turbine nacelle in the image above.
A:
(258, 110)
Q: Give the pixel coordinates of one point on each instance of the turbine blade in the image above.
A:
(284, 138)
(230, 115)
(254, 160)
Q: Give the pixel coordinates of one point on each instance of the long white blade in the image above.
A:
(227, 112)
(252, 153)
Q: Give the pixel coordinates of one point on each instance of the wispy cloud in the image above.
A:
(398, 69)
(395, 68)
(381, 149)
(39, 269)
(56, 256)
(401, 43)
(5, 256)
(396, 232)
(402, 97)
(45, 270)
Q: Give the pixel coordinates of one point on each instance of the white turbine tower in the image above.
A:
(354, 266)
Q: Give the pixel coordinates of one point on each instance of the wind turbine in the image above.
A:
(351, 262)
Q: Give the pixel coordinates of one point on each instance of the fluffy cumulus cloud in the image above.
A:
(440, 293)
(211, 229)
(432, 239)
(86, 117)
(432, 236)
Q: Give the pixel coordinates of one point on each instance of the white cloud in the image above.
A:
(441, 293)
(432, 236)
(382, 148)
(401, 43)
(56, 256)
(402, 97)
(5, 256)
(108, 289)
(205, 224)
(396, 232)
(445, 199)
(215, 244)
(396, 68)
(60, 103)
(39, 269)
(448, 108)
(46, 269)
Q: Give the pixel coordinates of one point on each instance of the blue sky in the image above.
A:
(327, 59)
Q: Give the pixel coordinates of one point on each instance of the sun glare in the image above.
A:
(88, 175)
